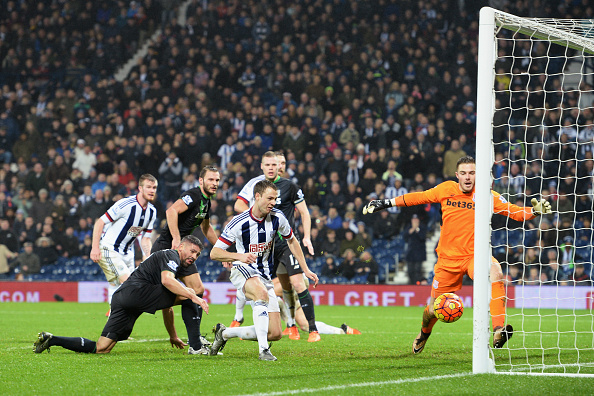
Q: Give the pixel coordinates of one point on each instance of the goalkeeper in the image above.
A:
(456, 244)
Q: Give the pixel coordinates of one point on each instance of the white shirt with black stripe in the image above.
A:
(124, 222)
(253, 235)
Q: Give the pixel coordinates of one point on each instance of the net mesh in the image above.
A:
(543, 140)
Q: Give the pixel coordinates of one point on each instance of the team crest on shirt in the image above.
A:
(135, 231)
(473, 196)
(503, 200)
(173, 265)
(187, 199)
(435, 283)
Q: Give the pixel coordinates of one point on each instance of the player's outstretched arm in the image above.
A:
(540, 207)
(376, 205)
(170, 326)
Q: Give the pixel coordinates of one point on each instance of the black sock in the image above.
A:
(308, 309)
(76, 344)
(191, 316)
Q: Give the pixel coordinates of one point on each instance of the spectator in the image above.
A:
(335, 199)
(45, 250)
(333, 221)
(514, 275)
(330, 269)
(385, 228)
(368, 266)
(567, 257)
(5, 255)
(363, 238)
(450, 159)
(36, 179)
(8, 237)
(56, 175)
(579, 277)
(67, 243)
(85, 159)
(95, 208)
(349, 265)
(330, 245)
(170, 176)
(416, 253)
(27, 262)
(349, 242)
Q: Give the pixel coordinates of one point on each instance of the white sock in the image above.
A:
(111, 288)
(239, 305)
(289, 298)
(324, 328)
(243, 332)
(261, 320)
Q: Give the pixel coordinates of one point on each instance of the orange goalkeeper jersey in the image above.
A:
(457, 230)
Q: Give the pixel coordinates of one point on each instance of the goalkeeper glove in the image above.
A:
(376, 205)
(540, 207)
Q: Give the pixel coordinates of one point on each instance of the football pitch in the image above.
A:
(377, 362)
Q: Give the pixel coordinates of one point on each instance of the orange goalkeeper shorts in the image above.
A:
(449, 274)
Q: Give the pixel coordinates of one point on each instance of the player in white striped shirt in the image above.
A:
(253, 233)
(114, 233)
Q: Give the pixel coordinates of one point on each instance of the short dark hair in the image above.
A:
(208, 168)
(263, 185)
(467, 159)
(193, 240)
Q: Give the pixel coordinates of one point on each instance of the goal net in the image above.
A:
(535, 138)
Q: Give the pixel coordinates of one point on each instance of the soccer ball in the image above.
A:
(448, 307)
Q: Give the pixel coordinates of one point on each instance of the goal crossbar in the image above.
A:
(577, 34)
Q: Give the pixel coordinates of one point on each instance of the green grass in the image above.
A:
(377, 362)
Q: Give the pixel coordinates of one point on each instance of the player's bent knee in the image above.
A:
(496, 273)
(297, 282)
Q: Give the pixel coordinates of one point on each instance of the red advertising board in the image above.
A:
(38, 291)
(379, 295)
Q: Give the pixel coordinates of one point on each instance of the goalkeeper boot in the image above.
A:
(314, 336)
(349, 330)
(219, 342)
(294, 333)
(419, 342)
(42, 342)
(236, 323)
(501, 335)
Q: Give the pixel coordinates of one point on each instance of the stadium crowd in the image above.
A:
(366, 99)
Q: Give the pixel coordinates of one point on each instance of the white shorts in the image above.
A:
(115, 264)
(239, 276)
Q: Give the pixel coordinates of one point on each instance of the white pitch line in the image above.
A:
(359, 385)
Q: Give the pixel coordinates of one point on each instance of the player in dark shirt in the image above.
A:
(152, 287)
(190, 211)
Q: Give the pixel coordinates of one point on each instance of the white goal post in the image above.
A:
(535, 83)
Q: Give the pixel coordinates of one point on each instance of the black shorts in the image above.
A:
(128, 303)
(284, 257)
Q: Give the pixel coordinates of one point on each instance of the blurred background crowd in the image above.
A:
(367, 99)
